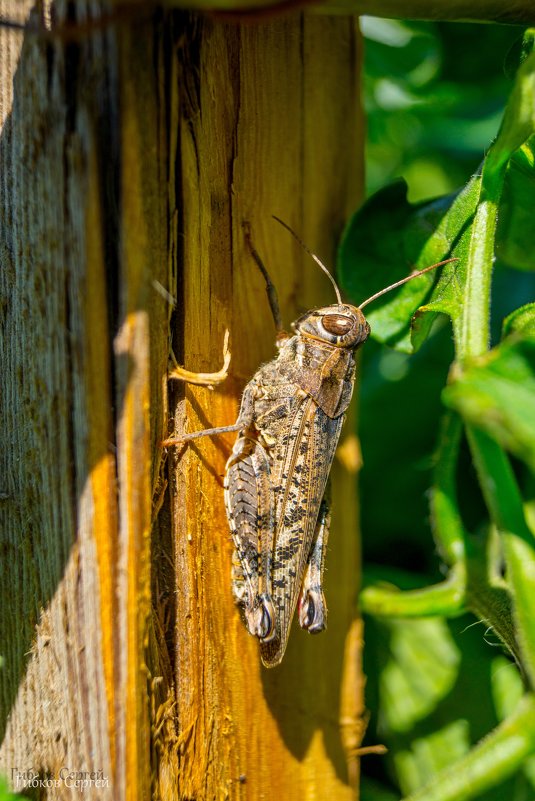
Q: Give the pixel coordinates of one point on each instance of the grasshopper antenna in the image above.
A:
(316, 259)
(273, 298)
(404, 281)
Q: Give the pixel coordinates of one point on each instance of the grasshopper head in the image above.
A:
(340, 325)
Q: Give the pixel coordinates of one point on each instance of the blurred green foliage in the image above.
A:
(435, 95)
(6, 794)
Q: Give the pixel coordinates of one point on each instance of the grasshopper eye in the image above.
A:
(337, 324)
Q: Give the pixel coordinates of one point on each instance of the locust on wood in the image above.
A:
(276, 479)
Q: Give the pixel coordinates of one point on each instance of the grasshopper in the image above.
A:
(276, 479)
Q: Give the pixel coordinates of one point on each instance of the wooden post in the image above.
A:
(129, 158)
(270, 126)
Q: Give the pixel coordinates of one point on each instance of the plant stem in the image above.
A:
(447, 524)
(475, 328)
(504, 503)
(497, 756)
(446, 598)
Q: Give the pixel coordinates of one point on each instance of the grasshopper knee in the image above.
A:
(261, 619)
(312, 611)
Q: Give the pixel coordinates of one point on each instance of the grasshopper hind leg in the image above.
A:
(312, 605)
(249, 502)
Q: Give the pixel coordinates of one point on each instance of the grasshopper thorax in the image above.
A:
(340, 325)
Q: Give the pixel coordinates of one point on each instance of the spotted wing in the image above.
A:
(300, 463)
(250, 510)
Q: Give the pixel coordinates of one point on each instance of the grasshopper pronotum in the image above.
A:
(276, 478)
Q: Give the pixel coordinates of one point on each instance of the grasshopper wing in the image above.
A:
(250, 510)
(300, 463)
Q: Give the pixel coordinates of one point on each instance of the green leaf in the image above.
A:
(436, 752)
(519, 119)
(383, 242)
(517, 127)
(507, 688)
(422, 670)
(521, 321)
(393, 236)
(518, 52)
(448, 296)
(497, 395)
(427, 679)
(516, 230)
(494, 759)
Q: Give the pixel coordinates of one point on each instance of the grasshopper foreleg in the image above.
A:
(312, 606)
(209, 380)
(206, 432)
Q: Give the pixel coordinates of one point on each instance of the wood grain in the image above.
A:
(128, 160)
(270, 127)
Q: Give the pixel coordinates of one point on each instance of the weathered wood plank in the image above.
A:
(270, 127)
(84, 240)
